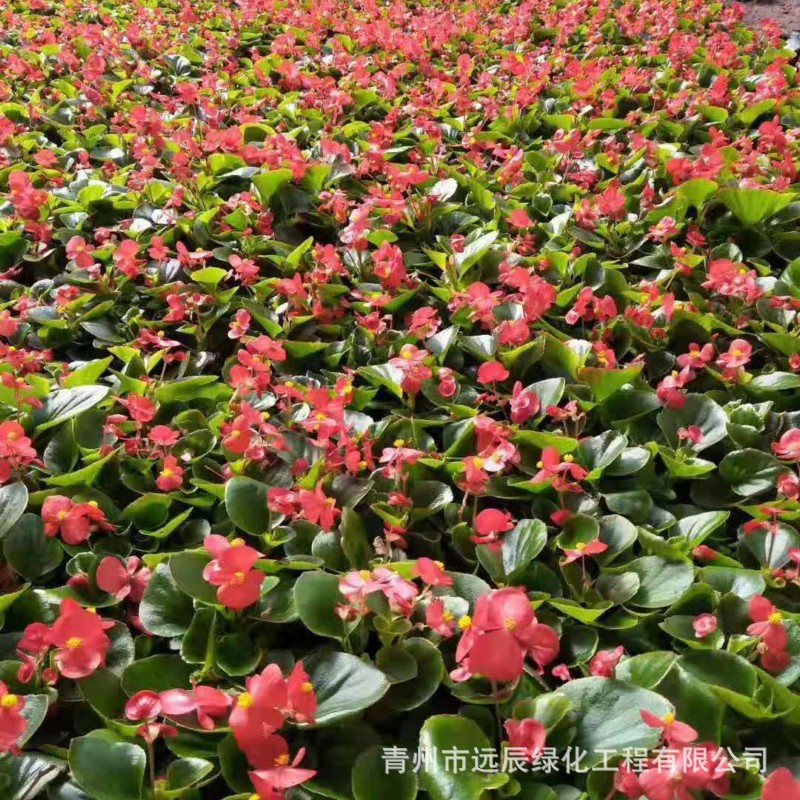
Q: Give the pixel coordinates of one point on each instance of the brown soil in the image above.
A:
(785, 12)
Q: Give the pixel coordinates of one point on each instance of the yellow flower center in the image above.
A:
(465, 622)
(237, 542)
(9, 701)
(510, 624)
(235, 433)
(74, 642)
(568, 459)
(365, 574)
(244, 700)
(406, 354)
(399, 442)
(668, 719)
(238, 577)
(448, 616)
(167, 473)
(580, 547)
(737, 352)
(282, 761)
(307, 687)
(775, 618)
(479, 462)
(320, 415)
(62, 514)
(92, 503)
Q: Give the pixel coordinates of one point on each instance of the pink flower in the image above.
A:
(788, 446)
(604, 662)
(231, 570)
(527, 736)
(704, 625)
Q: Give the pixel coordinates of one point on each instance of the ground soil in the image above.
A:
(785, 12)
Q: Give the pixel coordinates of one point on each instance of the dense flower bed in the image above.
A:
(387, 380)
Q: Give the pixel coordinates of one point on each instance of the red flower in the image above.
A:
(675, 732)
(489, 524)
(232, 571)
(302, 700)
(237, 435)
(520, 219)
(208, 702)
(692, 434)
(171, 476)
(524, 404)
(439, 619)
(80, 640)
(491, 372)
(143, 705)
(432, 572)
(781, 785)
(552, 468)
(282, 774)
(74, 521)
(528, 735)
(256, 713)
(12, 723)
(502, 632)
(695, 768)
(123, 580)
(317, 508)
(583, 549)
(767, 623)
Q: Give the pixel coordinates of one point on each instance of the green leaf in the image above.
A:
(697, 191)
(520, 546)
(439, 778)
(344, 685)
(148, 511)
(13, 500)
(157, 674)
(775, 382)
(661, 582)
(246, 504)
(186, 569)
(474, 251)
(88, 373)
(695, 529)
(355, 541)
(26, 776)
(750, 471)
(607, 716)
(753, 205)
(316, 595)
(698, 410)
(605, 382)
(27, 549)
(413, 693)
(371, 779)
(268, 183)
(64, 404)
(106, 767)
(165, 610)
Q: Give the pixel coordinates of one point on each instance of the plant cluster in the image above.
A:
(410, 375)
